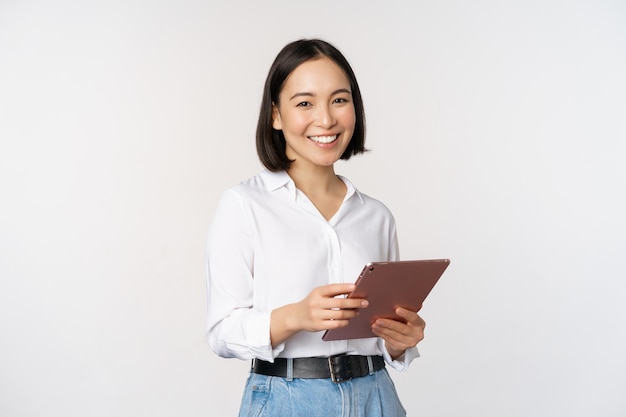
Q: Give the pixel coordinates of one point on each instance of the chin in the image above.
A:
(327, 163)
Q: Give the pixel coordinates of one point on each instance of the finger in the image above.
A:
(339, 314)
(347, 303)
(410, 316)
(404, 329)
(333, 290)
(392, 336)
(398, 334)
(389, 325)
(334, 324)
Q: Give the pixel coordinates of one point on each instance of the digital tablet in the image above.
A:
(388, 285)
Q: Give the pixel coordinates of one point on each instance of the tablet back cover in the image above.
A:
(388, 285)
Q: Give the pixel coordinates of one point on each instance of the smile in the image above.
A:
(323, 139)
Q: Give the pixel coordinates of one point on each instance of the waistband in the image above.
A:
(338, 368)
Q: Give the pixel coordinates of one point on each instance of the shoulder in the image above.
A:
(365, 199)
(376, 207)
(374, 202)
(256, 187)
(370, 204)
(236, 203)
(262, 183)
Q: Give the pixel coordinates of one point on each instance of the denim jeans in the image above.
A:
(369, 396)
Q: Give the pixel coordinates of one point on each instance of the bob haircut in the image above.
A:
(270, 143)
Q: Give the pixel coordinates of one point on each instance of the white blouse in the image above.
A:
(269, 246)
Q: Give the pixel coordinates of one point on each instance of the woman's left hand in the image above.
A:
(399, 336)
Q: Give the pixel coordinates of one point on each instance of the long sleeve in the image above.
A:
(235, 328)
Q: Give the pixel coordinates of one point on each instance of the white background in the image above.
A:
(498, 137)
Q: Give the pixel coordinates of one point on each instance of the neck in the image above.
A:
(316, 180)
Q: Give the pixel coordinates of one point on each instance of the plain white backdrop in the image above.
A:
(498, 136)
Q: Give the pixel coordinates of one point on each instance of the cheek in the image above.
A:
(347, 116)
(296, 122)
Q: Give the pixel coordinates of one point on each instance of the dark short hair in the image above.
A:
(270, 143)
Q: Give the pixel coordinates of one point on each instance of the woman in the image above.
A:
(286, 245)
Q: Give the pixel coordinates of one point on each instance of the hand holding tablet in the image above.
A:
(386, 286)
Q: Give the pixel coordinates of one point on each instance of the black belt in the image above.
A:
(339, 368)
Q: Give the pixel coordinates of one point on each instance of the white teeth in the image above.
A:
(323, 139)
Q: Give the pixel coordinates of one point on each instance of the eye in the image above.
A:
(303, 104)
(340, 100)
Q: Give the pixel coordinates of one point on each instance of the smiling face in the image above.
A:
(316, 114)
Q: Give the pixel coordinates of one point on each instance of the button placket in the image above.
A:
(335, 269)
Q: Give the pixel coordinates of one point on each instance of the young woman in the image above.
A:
(287, 244)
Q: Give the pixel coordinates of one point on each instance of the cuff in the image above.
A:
(402, 362)
(244, 335)
(264, 350)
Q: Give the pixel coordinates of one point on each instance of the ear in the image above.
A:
(276, 123)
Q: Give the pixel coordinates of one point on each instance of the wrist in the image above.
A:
(394, 353)
(289, 318)
(283, 324)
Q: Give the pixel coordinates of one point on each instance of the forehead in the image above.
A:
(318, 76)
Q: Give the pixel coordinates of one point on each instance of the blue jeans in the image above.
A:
(369, 396)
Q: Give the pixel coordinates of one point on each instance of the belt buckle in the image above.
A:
(334, 376)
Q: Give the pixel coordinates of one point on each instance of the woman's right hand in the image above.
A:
(322, 309)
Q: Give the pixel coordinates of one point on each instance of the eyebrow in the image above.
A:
(307, 94)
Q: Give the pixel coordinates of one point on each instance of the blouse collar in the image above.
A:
(275, 180)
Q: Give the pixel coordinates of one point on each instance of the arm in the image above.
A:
(235, 328)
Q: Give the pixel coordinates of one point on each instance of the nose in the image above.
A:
(326, 117)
